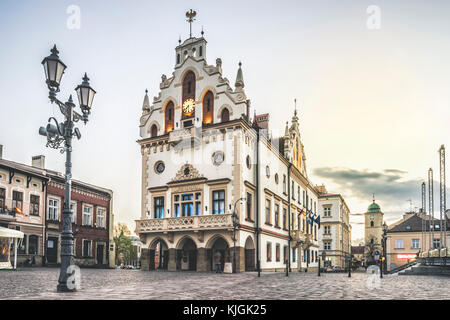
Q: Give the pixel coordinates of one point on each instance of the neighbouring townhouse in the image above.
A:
(22, 207)
(210, 170)
(335, 228)
(31, 201)
(415, 232)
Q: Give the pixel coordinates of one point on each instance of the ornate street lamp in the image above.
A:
(54, 69)
(59, 136)
(235, 219)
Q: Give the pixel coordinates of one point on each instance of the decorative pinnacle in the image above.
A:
(202, 32)
(146, 91)
(373, 195)
(295, 106)
(54, 50)
(179, 39)
(191, 18)
(85, 79)
(70, 99)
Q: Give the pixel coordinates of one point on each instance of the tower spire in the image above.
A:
(295, 118)
(146, 103)
(191, 18)
(239, 84)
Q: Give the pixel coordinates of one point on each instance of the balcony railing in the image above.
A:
(7, 214)
(208, 222)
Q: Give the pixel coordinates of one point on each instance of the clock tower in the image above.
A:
(373, 231)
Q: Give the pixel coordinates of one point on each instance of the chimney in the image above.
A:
(38, 162)
(1, 151)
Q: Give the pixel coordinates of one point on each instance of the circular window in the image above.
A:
(248, 162)
(267, 172)
(159, 167)
(218, 157)
(276, 178)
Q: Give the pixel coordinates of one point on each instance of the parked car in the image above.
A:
(336, 269)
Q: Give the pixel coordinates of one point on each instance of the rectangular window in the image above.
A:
(284, 183)
(87, 216)
(17, 201)
(2, 199)
(269, 251)
(293, 254)
(158, 207)
(277, 215)
(436, 243)
(198, 203)
(277, 252)
(304, 198)
(284, 218)
(298, 194)
(34, 205)
(73, 208)
(327, 212)
(327, 230)
(53, 210)
(285, 254)
(218, 202)
(327, 245)
(249, 206)
(292, 190)
(415, 244)
(268, 211)
(101, 218)
(87, 248)
(399, 244)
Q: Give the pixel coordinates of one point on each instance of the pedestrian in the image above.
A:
(217, 261)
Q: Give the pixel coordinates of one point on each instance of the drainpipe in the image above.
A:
(257, 231)
(288, 265)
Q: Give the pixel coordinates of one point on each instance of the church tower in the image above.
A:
(373, 231)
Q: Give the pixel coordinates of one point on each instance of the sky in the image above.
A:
(371, 83)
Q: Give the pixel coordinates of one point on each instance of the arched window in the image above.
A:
(178, 58)
(371, 223)
(154, 131)
(225, 116)
(169, 117)
(189, 86)
(208, 108)
(200, 51)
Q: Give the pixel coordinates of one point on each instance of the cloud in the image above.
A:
(389, 185)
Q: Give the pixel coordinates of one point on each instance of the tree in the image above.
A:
(124, 247)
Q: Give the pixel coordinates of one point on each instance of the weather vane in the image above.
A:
(191, 18)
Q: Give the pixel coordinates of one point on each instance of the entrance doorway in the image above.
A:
(220, 246)
(159, 255)
(249, 255)
(187, 255)
(100, 250)
(52, 250)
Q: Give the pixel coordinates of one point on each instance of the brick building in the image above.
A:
(92, 222)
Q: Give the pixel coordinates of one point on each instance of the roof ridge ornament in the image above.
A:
(191, 18)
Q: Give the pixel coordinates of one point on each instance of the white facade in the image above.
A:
(335, 229)
(199, 157)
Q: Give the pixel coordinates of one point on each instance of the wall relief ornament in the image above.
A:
(186, 172)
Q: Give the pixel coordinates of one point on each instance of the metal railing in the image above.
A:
(218, 221)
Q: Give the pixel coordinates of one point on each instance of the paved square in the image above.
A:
(40, 283)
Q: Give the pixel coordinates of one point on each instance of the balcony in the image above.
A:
(194, 223)
(6, 214)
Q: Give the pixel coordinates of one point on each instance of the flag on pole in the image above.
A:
(18, 210)
(318, 221)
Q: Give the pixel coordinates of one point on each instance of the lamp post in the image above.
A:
(349, 266)
(59, 136)
(235, 219)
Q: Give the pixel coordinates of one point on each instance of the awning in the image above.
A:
(10, 233)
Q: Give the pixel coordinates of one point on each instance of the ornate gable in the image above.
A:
(187, 172)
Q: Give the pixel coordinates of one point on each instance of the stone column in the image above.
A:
(151, 255)
(145, 259)
(240, 258)
(201, 260)
(172, 266)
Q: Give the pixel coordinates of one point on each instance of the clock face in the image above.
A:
(188, 106)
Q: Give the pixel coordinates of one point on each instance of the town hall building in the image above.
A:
(205, 158)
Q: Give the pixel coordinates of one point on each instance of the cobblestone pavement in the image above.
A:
(40, 283)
